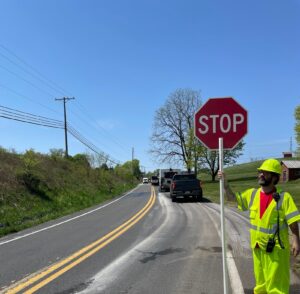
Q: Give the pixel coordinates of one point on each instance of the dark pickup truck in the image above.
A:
(186, 186)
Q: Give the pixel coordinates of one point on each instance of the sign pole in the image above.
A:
(224, 253)
(221, 123)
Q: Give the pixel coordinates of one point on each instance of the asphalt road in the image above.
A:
(138, 243)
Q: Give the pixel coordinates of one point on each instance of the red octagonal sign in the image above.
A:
(221, 118)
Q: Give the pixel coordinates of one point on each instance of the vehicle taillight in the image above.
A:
(173, 185)
(200, 184)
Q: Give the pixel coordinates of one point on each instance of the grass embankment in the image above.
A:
(35, 187)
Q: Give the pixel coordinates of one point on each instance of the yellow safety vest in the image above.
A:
(261, 229)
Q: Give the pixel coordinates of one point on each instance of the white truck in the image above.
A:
(165, 178)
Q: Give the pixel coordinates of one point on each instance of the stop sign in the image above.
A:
(220, 118)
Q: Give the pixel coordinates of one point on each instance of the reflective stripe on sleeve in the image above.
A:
(280, 200)
(241, 201)
(291, 215)
(252, 198)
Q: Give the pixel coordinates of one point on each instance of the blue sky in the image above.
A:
(121, 60)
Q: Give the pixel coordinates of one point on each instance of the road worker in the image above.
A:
(271, 212)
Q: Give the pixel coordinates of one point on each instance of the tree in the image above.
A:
(98, 159)
(104, 166)
(210, 159)
(196, 151)
(133, 166)
(57, 153)
(81, 159)
(129, 170)
(173, 122)
(173, 137)
(297, 129)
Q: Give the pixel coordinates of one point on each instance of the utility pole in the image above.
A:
(132, 157)
(64, 99)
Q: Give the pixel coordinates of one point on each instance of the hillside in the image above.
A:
(36, 187)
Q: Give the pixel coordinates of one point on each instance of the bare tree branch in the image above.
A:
(172, 125)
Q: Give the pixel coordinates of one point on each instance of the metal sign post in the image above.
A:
(221, 122)
(224, 251)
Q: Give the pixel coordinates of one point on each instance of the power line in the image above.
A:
(47, 82)
(41, 78)
(33, 69)
(27, 114)
(90, 145)
(108, 135)
(10, 113)
(25, 80)
(34, 120)
(21, 116)
(30, 122)
(13, 114)
(27, 98)
(93, 126)
(76, 134)
(31, 74)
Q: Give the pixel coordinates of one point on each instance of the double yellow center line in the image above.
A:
(47, 275)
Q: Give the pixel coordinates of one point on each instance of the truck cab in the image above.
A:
(186, 186)
(165, 178)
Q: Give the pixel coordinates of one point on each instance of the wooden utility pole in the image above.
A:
(132, 169)
(64, 99)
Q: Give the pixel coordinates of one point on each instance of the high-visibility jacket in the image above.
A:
(261, 229)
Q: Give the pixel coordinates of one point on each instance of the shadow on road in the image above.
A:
(190, 200)
(205, 200)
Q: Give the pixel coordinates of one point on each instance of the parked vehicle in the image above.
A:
(186, 186)
(165, 178)
(145, 180)
(154, 180)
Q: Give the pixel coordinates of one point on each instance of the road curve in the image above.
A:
(183, 255)
(26, 257)
(138, 243)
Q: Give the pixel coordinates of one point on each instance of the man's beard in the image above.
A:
(262, 181)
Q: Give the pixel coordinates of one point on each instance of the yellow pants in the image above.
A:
(272, 271)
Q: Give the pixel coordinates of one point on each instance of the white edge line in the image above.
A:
(235, 279)
(66, 221)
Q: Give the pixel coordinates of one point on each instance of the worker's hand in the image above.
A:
(296, 246)
(221, 175)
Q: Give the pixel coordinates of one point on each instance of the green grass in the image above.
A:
(35, 187)
(30, 210)
(242, 177)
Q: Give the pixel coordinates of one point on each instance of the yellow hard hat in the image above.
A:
(271, 165)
